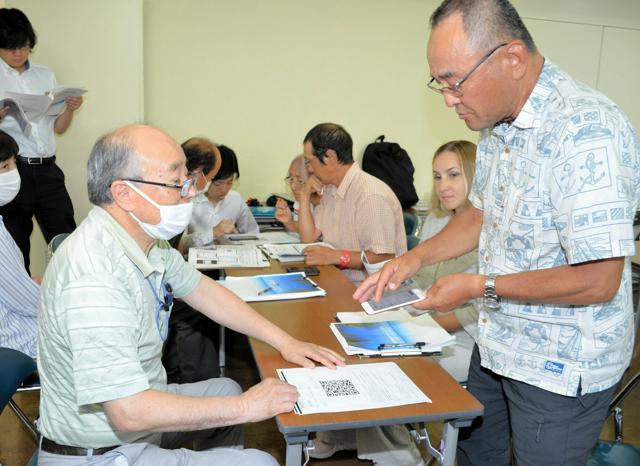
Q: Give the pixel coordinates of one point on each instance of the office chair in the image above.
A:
(16, 369)
(55, 243)
(411, 222)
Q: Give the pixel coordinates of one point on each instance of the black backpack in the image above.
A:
(391, 163)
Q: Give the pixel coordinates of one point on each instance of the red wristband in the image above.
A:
(345, 259)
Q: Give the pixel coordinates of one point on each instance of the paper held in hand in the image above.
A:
(51, 104)
(352, 388)
(16, 112)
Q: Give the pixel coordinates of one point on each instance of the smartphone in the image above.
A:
(308, 271)
(392, 300)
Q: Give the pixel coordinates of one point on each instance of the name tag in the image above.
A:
(555, 367)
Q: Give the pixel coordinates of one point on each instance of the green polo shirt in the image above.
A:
(99, 338)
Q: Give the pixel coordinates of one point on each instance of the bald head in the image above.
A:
(133, 151)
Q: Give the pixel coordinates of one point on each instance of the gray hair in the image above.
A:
(487, 23)
(299, 163)
(112, 158)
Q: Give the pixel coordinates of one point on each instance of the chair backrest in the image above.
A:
(55, 242)
(412, 242)
(410, 222)
(15, 367)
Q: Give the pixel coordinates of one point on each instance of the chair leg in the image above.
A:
(25, 421)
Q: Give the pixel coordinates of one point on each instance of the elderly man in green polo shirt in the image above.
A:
(104, 311)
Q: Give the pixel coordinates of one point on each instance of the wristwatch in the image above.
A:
(491, 299)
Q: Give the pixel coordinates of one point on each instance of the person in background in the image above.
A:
(357, 213)
(18, 292)
(296, 178)
(42, 194)
(190, 353)
(453, 168)
(219, 210)
(556, 187)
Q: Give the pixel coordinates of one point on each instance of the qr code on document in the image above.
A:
(339, 387)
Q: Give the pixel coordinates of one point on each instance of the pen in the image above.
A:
(417, 345)
(267, 289)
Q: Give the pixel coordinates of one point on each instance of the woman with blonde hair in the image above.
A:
(453, 168)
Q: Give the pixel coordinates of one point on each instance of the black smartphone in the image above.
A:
(308, 271)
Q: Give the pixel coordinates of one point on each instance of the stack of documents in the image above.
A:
(227, 257)
(352, 388)
(289, 252)
(273, 287)
(360, 334)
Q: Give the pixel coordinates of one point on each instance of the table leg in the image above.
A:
(450, 438)
(295, 444)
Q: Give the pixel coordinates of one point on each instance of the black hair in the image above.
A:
(229, 164)
(330, 136)
(8, 147)
(486, 22)
(15, 30)
(200, 154)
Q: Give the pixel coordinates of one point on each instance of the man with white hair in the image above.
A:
(106, 299)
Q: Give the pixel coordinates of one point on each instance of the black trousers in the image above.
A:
(191, 351)
(44, 196)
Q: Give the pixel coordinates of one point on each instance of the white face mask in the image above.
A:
(206, 187)
(9, 186)
(173, 218)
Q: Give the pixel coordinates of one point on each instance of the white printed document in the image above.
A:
(352, 388)
(16, 112)
(52, 103)
(226, 257)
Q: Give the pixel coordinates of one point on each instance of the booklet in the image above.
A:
(16, 112)
(402, 337)
(52, 103)
(352, 388)
(274, 287)
(227, 257)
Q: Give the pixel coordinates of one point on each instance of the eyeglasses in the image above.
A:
(184, 187)
(165, 305)
(455, 89)
(294, 179)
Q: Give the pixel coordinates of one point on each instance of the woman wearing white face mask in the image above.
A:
(18, 292)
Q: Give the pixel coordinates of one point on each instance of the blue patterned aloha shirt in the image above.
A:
(558, 186)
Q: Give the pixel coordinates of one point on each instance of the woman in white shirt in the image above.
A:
(219, 210)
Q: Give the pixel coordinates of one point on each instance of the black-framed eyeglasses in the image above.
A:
(455, 89)
(165, 306)
(184, 187)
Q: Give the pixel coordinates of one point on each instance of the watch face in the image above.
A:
(491, 303)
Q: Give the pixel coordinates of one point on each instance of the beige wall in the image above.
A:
(256, 75)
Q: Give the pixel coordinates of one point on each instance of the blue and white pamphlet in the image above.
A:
(274, 287)
(392, 337)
